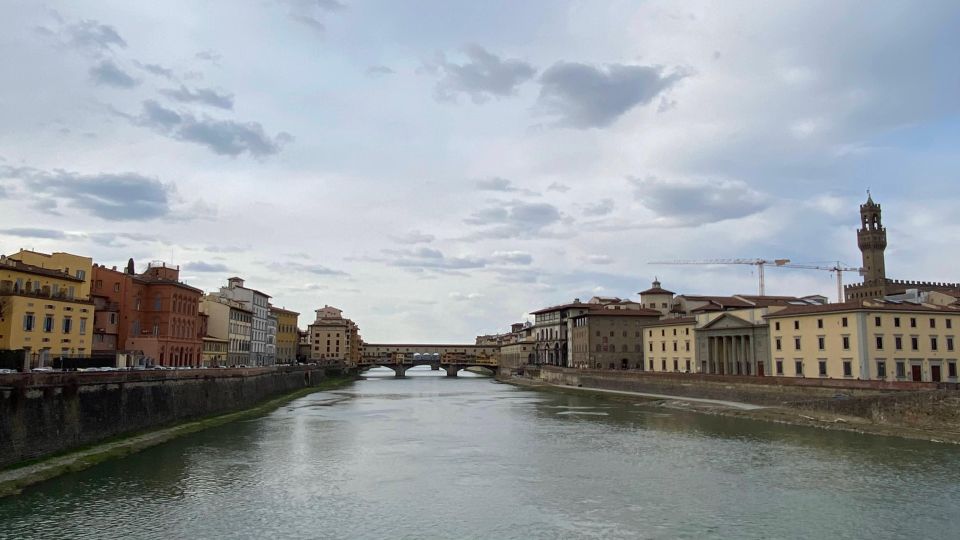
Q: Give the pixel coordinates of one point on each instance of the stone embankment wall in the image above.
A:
(42, 414)
(896, 403)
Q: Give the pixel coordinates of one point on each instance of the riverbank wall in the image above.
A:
(47, 413)
(892, 403)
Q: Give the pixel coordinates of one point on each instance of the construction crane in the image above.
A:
(759, 263)
(837, 268)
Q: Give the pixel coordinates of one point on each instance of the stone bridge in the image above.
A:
(451, 358)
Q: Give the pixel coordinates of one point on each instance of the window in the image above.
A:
(933, 323)
(779, 367)
(676, 365)
(952, 370)
(796, 325)
(28, 322)
(663, 365)
(116, 287)
(933, 343)
(949, 343)
(843, 322)
(598, 347)
(663, 346)
(898, 343)
(913, 322)
(949, 323)
(823, 368)
(798, 366)
(901, 369)
(819, 323)
(778, 344)
(674, 346)
(796, 343)
(879, 343)
(83, 326)
(776, 325)
(687, 346)
(821, 343)
(688, 366)
(896, 322)
(881, 369)
(846, 343)
(876, 321)
(67, 325)
(847, 368)
(651, 346)
(914, 343)
(81, 274)
(48, 323)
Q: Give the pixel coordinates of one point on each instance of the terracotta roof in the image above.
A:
(39, 271)
(620, 313)
(677, 320)
(722, 301)
(567, 306)
(656, 290)
(861, 305)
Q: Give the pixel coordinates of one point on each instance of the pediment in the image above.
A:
(727, 321)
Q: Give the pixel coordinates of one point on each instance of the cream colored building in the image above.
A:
(517, 350)
(334, 339)
(229, 320)
(866, 340)
(670, 346)
(658, 298)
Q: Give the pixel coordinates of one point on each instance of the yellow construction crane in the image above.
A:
(759, 263)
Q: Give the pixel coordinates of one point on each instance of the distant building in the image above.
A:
(41, 313)
(670, 346)
(610, 338)
(658, 298)
(551, 332)
(288, 335)
(232, 321)
(259, 304)
(158, 315)
(517, 348)
(334, 339)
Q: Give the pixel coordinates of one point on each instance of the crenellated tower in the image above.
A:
(872, 240)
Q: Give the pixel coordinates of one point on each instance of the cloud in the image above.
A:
(109, 74)
(203, 96)
(200, 266)
(307, 268)
(155, 69)
(583, 96)
(424, 258)
(209, 55)
(558, 187)
(91, 35)
(224, 137)
(692, 202)
(483, 76)
(501, 184)
(512, 257)
(313, 13)
(112, 239)
(462, 297)
(508, 219)
(379, 70)
(413, 237)
(28, 232)
(600, 208)
(598, 259)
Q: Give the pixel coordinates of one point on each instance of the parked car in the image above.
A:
(43, 369)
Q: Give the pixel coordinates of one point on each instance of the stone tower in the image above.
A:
(872, 239)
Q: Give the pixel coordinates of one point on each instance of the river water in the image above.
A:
(431, 457)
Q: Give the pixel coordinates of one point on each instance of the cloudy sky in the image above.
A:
(438, 169)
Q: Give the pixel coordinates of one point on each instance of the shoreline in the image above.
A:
(774, 414)
(15, 478)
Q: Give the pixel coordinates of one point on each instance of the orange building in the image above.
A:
(157, 317)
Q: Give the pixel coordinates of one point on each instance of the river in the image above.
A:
(431, 457)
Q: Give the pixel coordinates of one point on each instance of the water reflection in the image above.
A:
(432, 457)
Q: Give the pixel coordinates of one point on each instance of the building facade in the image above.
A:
(866, 340)
(670, 346)
(551, 332)
(334, 339)
(259, 304)
(158, 315)
(288, 335)
(231, 321)
(41, 314)
(610, 338)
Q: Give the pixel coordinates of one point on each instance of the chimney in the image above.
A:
(130, 268)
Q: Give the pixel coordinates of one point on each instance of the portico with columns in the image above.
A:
(729, 345)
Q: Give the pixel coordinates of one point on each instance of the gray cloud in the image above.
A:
(224, 137)
(380, 70)
(413, 237)
(155, 69)
(512, 257)
(600, 208)
(501, 184)
(583, 96)
(695, 202)
(313, 13)
(92, 35)
(513, 218)
(558, 187)
(598, 259)
(122, 196)
(424, 258)
(308, 268)
(209, 55)
(108, 73)
(203, 96)
(200, 266)
(28, 232)
(113, 239)
(484, 75)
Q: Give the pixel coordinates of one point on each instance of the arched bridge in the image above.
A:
(452, 358)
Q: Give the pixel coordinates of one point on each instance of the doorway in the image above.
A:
(917, 373)
(935, 373)
(759, 369)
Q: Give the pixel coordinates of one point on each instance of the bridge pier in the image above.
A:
(451, 370)
(435, 367)
(399, 371)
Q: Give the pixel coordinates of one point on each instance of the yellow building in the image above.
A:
(41, 313)
(288, 336)
(866, 340)
(214, 351)
(670, 346)
(74, 265)
(334, 339)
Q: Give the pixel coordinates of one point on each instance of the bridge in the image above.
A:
(451, 358)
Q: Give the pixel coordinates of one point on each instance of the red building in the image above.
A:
(156, 316)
